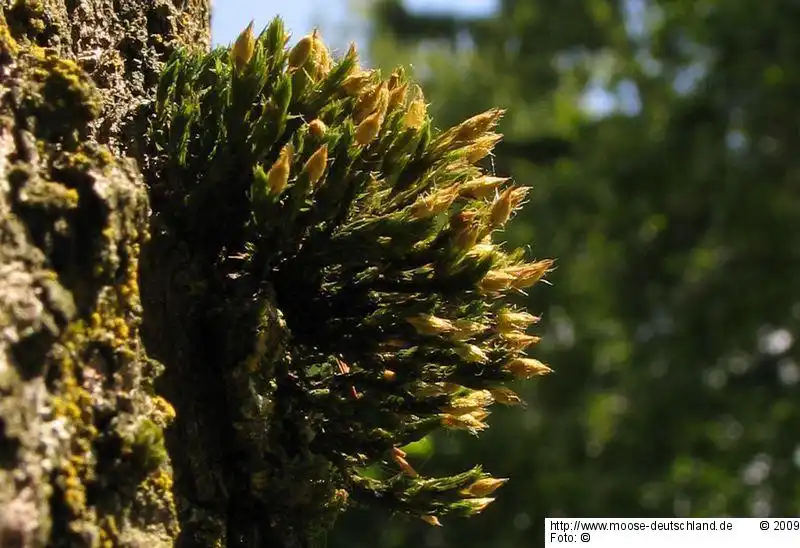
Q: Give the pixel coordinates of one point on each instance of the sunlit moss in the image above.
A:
(323, 189)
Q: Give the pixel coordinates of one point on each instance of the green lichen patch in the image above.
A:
(61, 200)
(147, 445)
(57, 101)
(8, 46)
(27, 19)
(343, 263)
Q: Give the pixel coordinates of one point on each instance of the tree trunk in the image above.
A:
(116, 175)
(82, 454)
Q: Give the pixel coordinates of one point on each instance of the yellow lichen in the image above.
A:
(27, 18)
(7, 42)
(121, 331)
(163, 413)
(105, 157)
(59, 97)
(72, 485)
(74, 404)
(86, 159)
(161, 481)
(156, 492)
(113, 324)
(109, 532)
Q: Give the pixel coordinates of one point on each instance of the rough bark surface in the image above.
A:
(119, 173)
(82, 456)
(119, 45)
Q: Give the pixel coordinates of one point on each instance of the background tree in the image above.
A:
(676, 302)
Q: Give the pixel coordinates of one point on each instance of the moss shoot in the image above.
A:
(341, 260)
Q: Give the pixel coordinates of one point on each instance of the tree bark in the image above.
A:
(82, 454)
(181, 415)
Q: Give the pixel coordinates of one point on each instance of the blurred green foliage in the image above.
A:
(674, 309)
